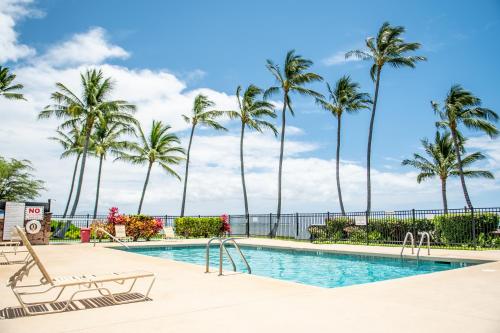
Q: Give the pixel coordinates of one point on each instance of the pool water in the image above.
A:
(323, 269)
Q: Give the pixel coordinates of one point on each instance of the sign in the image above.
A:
(360, 220)
(14, 216)
(33, 213)
(33, 227)
(255, 219)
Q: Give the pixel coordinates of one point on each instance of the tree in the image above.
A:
(290, 79)
(159, 147)
(8, 90)
(17, 183)
(85, 110)
(461, 107)
(387, 48)
(202, 114)
(442, 162)
(345, 97)
(72, 143)
(107, 138)
(251, 113)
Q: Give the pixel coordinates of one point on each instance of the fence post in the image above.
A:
(248, 225)
(271, 225)
(88, 216)
(327, 216)
(474, 240)
(166, 220)
(367, 239)
(297, 222)
(413, 221)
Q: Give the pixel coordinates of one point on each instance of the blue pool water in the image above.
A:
(321, 269)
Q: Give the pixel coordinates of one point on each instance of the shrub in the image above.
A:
(73, 231)
(457, 229)
(142, 226)
(200, 226)
(99, 234)
(356, 234)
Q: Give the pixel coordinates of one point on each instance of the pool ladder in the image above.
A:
(222, 249)
(423, 235)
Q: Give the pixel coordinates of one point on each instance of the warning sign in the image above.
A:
(33, 213)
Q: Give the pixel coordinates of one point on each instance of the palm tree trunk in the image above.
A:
(443, 193)
(280, 169)
(144, 188)
(245, 199)
(337, 162)
(460, 168)
(187, 171)
(72, 185)
(82, 169)
(369, 148)
(98, 185)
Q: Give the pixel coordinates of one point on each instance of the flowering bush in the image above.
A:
(136, 226)
(225, 226)
(142, 226)
(99, 234)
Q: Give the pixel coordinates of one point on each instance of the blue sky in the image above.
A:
(218, 45)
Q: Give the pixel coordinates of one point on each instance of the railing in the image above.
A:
(457, 228)
(222, 247)
(111, 236)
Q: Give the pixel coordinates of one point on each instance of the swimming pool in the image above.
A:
(323, 269)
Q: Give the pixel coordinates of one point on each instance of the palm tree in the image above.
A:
(251, 111)
(6, 89)
(159, 147)
(442, 162)
(387, 48)
(462, 107)
(85, 110)
(291, 79)
(345, 97)
(107, 138)
(72, 144)
(203, 116)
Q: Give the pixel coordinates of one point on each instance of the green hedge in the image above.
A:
(73, 232)
(446, 230)
(198, 226)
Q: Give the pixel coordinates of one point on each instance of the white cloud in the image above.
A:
(491, 147)
(91, 47)
(338, 59)
(10, 48)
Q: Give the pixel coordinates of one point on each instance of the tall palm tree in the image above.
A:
(462, 107)
(93, 103)
(8, 90)
(442, 162)
(387, 48)
(202, 114)
(160, 147)
(107, 138)
(251, 113)
(290, 79)
(72, 143)
(344, 97)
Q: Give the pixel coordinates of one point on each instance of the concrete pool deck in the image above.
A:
(184, 299)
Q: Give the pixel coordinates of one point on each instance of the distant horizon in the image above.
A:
(162, 55)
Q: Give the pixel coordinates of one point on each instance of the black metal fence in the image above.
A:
(457, 228)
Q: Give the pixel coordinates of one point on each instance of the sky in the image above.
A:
(162, 54)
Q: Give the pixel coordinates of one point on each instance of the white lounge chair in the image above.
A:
(82, 283)
(9, 250)
(169, 234)
(120, 233)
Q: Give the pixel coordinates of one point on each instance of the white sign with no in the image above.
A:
(33, 213)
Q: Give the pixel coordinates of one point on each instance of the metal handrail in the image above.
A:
(239, 250)
(207, 254)
(408, 234)
(423, 235)
(222, 247)
(112, 237)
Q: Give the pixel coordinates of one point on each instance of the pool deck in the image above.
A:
(184, 299)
